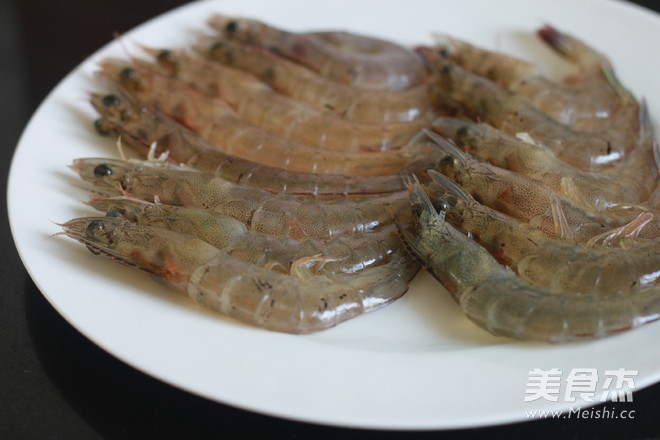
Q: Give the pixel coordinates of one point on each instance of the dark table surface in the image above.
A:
(56, 384)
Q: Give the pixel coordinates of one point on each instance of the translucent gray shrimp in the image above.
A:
(494, 298)
(632, 265)
(589, 100)
(344, 57)
(281, 215)
(141, 127)
(486, 101)
(304, 85)
(218, 124)
(631, 182)
(246, 292)
(341, 254)
(519, 196)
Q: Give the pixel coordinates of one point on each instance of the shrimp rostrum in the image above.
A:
(493, 297)
(238, 289)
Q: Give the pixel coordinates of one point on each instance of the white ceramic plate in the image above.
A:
(417, 364)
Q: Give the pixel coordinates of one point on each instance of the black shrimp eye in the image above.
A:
(103, 127)
(444, 52)
(111, 100)
(231, 27)
(102, 170)
(127, 73)
(93, 228)
(441, 205)
(166, 60)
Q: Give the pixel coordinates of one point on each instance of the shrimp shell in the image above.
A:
(221, 127)
(556, 264)
(629, 183)
(494, 298)
(258, 104)
(351, 59)
(281, 215)
(587, 101)
(302, 84)
(238, 289)
(512, 113)
(141, 127)
(341, 254)
(519, 196)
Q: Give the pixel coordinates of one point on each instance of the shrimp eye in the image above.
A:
(93, 228)
(103, 127)
(113, 213)
(231, 27)
(127, 73)
(166, 60)
(444, 52)
(111, 100)
(102, 170)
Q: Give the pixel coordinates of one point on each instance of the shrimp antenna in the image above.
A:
(120, 39)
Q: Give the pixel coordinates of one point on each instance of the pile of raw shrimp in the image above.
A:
(297, 180)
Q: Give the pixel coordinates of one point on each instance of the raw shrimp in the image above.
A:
(141, 127)
(556, 264)
(629, 183)
(344, 57)
(291, 216)
(521, 197)
(494, 298)
(341, 254)
(237, 137)
(239, 289)
(513, 114)
(304, 85)
(257, 104)
(586, 101)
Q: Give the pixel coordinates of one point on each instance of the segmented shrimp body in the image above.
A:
(588, 101)
(223, 128)
(494, 298)
(557, 264)
(519, 196)
(629, 183)
(304, 85)
(344, 57)
(141, 127)
(239, 289)
(256, 103)
(341, 254)
(512, 113)
(294, 217)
